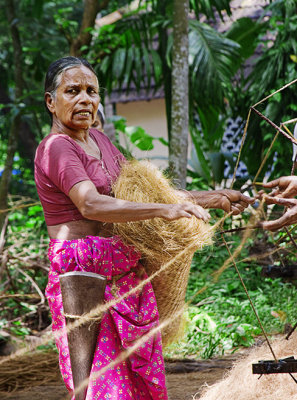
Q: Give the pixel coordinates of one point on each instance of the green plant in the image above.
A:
(221, 319)
(134, 136)
(274, 68)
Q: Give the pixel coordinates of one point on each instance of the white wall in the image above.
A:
(151, 116)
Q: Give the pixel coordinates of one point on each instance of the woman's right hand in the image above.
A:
(185, 210)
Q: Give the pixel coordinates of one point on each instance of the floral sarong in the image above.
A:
(141, 376)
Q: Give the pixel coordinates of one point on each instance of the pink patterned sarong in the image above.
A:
(142, 375)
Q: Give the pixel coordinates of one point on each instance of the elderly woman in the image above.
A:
(75, 167)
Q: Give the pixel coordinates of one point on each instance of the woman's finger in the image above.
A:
(278, 223)
(274, 192)
(271, 184)
(247, 200)
(289, 192)
(190, 210)
(243, 204)
(202, 214)
(237, 209)
(271, 225)
(281, 201)
(226, 204)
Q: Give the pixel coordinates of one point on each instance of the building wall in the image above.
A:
(151, 116)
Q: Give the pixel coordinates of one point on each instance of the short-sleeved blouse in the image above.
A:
(60, 163)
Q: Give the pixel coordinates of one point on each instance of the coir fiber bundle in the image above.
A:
(159, 240)
(241, 384)
(28, 370)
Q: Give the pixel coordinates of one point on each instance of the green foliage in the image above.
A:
(18, 329)
(134, 136)
(221, 319)
(245, 32)
(124, 52)
(206, 159)
(275, 68)
(22, 182)
(26, 269)
(63, 20)
(208, 8)
(218, 56)
(211, 63)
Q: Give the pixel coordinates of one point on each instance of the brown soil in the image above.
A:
(185, 378)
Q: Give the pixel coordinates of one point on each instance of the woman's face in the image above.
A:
(76, 101)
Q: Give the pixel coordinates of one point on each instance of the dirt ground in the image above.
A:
(185, 379)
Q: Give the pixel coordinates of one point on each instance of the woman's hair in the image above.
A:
(55, 70)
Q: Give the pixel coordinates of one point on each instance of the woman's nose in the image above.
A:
(84, 97)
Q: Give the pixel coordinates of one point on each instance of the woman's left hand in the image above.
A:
(233, 201)
(226, 199)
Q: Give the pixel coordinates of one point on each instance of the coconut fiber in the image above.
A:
(241, 384)
(28, 370)
(159, 240)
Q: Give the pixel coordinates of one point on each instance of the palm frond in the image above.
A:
(213, 62)
(245, 32)
(134, 58)
(209, 7)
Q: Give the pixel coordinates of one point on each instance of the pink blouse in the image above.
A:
(60, 163)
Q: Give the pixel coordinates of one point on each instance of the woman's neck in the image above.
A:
(78, 134)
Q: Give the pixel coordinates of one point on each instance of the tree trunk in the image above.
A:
(178, 145)
(84, 37)
(15, 125)
(163, 43)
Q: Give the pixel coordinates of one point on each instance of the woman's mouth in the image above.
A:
(84, 113)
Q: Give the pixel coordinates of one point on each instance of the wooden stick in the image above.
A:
(293, 140)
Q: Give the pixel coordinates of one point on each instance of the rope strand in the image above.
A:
(250, 300)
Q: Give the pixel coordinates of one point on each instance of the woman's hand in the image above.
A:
(225, 199)
(233, 201)
(284, 187)
(176, 211)
(288, 218)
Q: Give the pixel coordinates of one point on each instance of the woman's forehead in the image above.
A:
(80, 75)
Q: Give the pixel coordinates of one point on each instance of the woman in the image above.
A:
(74, 170)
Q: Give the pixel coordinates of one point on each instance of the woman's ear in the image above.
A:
(49, 101)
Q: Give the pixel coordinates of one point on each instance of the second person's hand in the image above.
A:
(285, 186)
(288, 218)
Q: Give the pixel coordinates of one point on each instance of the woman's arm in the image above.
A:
(225, 199)
(95, 206)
